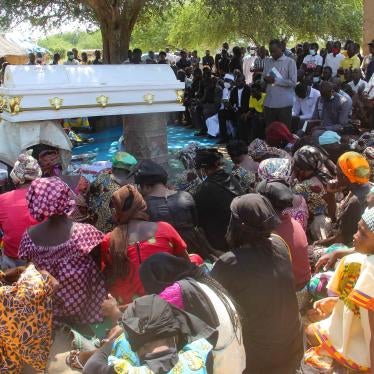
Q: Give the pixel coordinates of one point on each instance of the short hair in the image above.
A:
(162, 53)
(207, 158)
(276, 42)
(56, 55)
(301, 89)
(137, 51)
(237, 51)
(236, 148)
(328, 68)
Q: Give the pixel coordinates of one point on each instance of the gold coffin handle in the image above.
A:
(149, 98)
(102, 100)
(56, 103)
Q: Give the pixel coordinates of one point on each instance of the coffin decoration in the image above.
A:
(45, 92)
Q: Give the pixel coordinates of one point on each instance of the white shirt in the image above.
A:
(304, 108)
(334, 62)
(369, 90)
(312, 62)
(360, 86)
(240, 90)
(247, 65)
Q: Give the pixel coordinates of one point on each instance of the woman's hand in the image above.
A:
(325, 306)
(110, 309)
(113, 334)
(328, 260)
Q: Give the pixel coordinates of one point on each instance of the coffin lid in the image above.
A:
(87, 90)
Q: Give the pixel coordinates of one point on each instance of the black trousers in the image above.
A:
(223, 116)
(283, 115)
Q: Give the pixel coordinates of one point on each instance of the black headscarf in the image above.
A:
(163, 269)
(149, 172)
(254, 214)
(149, 318)
(314, 159)
(280, 196)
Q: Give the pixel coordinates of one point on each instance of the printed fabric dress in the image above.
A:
(82, 290)
(25, 322)
(345, 336)
(192, 358)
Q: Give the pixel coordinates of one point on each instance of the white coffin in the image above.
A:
(37, 92)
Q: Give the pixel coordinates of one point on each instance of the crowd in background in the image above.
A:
(259, 265)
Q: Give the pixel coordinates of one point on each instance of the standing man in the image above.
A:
(334, 58)
(71, 60)
(56, 59)
(32, 59)
(208, 60)
(183, 62)
(75, 53)
(97, 60)
(248, 62)
(217, 58)
(350, 62)
(369, 58)
(280, 78)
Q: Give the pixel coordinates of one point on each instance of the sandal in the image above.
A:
(72, 360)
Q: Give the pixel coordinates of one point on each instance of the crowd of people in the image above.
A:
(260, 265)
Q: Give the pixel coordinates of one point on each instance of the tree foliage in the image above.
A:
(192, 24)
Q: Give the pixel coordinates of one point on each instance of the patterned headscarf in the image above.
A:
(128, 204)
(368, 218)
(275, 169)
(364, 141)
(25, 169)
(258, 149)
(188, 154)
(355, 167)
(47, 197)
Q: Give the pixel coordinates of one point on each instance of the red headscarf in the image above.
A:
(278, 135)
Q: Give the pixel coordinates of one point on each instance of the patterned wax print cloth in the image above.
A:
(25, 322)
(81, 290)
(192, 358)
(345, 335)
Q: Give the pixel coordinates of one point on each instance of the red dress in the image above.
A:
(166, 239)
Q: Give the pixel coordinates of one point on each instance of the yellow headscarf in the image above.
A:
(355, 167)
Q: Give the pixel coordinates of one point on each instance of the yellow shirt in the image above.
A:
(350, 63)
(257, 105)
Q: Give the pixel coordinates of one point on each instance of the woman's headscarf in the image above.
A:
(368, 218)
(47, 197)
(278, 135)
(355, 167)
(163, 269)
(254, 215)
(25, 169)
(280, 196)
(329, 137)
(149, 172)
(123, 160)
(313, 159)
(149, 318)
(275, 169)
(258, 150)
(128, 204)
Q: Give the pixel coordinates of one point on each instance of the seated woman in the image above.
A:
(189, 288)
(244, 169)
(15, 217)
(279, 169)
(25, 318)
(281, 197)
(174, 207)
(278, 135)
(353, 175)
(105, 185)
(132, 241)
(258, 274)
(62, 247)
(259, 150)
(313, 171)
(158, 338)
(344, 335)
(214, 195)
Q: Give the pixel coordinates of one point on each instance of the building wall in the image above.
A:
(368, 23)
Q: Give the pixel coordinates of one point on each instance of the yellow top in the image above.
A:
(350, 63)
(257, 105)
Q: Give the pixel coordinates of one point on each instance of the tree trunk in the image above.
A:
(117, 20)
(116, 42)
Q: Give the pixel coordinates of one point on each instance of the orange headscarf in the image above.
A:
(355, 167)
(128, 204)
